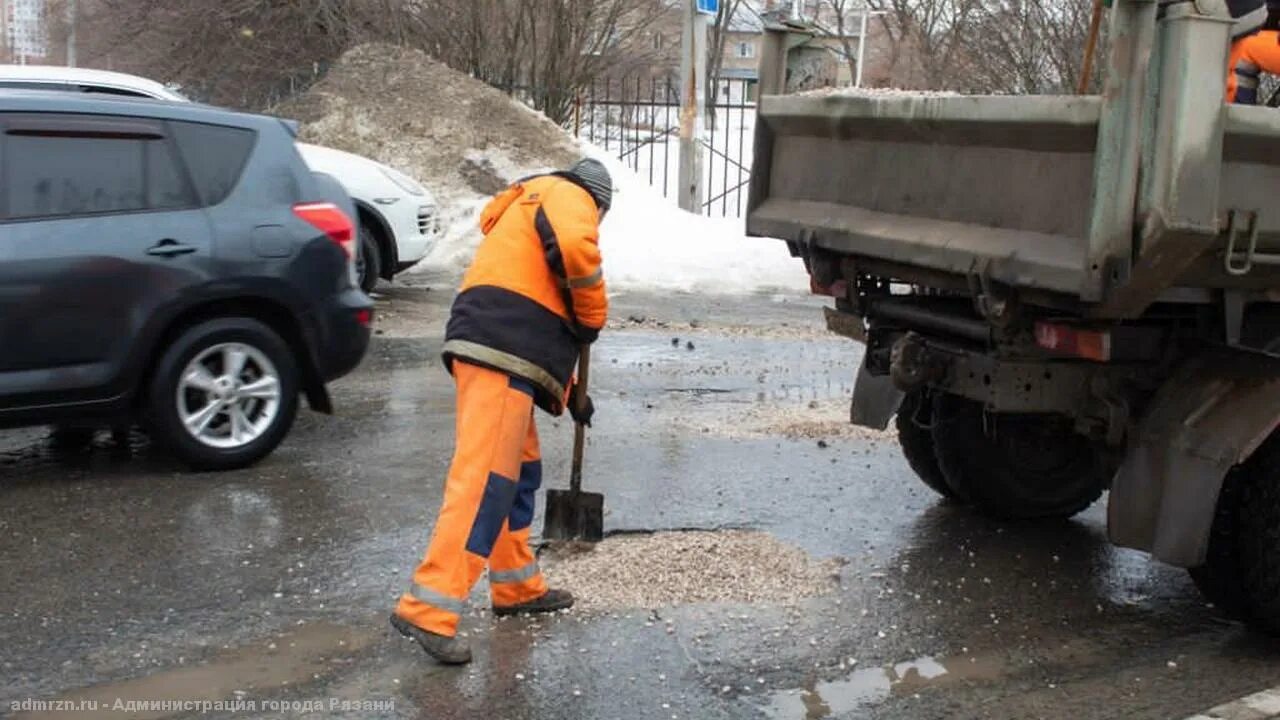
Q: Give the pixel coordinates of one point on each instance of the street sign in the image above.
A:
(708, 7)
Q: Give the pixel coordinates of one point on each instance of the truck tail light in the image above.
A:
(329, 219)
(1073, 341)
(836, 289)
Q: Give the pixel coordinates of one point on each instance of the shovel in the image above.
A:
(573, 514)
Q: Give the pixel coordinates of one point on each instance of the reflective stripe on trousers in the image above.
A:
(514, 576)
(488, 504)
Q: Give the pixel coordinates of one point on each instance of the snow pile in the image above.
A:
(466, 141)
(457, 135)
(650, 244)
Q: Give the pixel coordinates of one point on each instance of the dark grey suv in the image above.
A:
(170, 263)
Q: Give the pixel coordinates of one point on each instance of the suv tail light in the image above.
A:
(329, 219)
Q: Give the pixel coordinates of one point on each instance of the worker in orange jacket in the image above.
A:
(1255, 48)
(531, 298)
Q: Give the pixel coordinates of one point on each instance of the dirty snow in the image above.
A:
(457, 135)
(466, 140)
(677, 568)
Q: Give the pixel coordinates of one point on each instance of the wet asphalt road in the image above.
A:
(123, 577)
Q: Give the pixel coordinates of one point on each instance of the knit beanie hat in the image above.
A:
(595, 178)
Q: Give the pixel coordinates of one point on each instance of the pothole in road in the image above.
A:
(682, 567)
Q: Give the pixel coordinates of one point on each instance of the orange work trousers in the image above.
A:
(487, 512)
(1251, 56)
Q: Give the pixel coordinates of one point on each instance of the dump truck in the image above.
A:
(1060, 296)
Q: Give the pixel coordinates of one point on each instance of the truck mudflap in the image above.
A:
(1211, 415)
(875, 399)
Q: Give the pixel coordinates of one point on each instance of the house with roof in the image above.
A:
(831, 50)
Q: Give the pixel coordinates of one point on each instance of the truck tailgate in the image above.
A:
(935, 181)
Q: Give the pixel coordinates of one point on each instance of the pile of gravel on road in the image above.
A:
(678, 568)
(452, 132)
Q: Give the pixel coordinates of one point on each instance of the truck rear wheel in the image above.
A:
(1016, 466)
(1241, 573)
(915, 436)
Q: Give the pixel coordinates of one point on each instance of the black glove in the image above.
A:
(584, 414)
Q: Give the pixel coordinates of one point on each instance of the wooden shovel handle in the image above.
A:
(579, 431)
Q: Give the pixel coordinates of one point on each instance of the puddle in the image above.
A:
(822, 699)
(232, 521)
(294, 657)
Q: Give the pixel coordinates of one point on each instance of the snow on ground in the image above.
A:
(654, 154)
(647, 242)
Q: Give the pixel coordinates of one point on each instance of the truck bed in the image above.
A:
(954, 183)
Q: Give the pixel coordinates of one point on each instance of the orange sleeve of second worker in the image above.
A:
(576, 224)
(1262, 49)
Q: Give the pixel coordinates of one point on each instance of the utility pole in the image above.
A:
(862, 46)
(71, 33)
(693, 74)
(867, 12)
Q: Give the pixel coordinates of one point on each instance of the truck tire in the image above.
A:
(1241, 573)
(1016, 466)
(916, 439)
(224, 394)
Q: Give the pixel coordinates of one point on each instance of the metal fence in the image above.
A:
(638, 120)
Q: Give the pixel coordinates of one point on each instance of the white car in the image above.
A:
(398, 216)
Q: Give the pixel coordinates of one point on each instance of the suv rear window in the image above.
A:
(58, 174)
(215, 155)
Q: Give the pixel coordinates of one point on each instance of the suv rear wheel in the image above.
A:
(224, 394)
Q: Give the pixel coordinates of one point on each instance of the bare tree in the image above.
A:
(548, 49)
(239, 53)
(841, 13)
(925, 39)
(717, 39)
(247, 53)
(1000, 46)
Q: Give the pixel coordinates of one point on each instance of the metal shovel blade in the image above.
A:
(574, 516)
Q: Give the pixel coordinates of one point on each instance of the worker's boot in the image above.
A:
(448, 650)
(551, 601)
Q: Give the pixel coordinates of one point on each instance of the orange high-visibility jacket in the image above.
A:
(535, 290)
